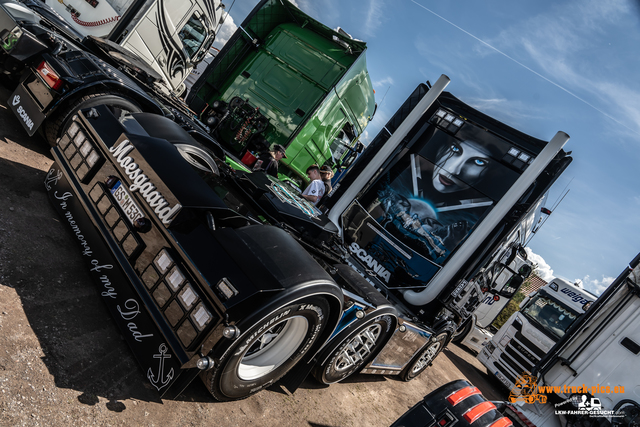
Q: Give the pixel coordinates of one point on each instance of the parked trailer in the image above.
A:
(231, 276)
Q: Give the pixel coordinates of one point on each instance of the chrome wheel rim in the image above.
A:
(426, 357)
(358, 349)
(274, 347)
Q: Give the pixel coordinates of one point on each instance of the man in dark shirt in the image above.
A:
(268, 161)
(326, 173)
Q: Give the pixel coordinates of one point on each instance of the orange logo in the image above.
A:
(526, 390)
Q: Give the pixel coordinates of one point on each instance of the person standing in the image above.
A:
(315, 190)
(268, 161)
(326, 174)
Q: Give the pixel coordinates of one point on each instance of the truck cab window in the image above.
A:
(342, 143)
(193, 35)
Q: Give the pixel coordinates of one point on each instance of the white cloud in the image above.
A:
(225, 32)
(373, 18)
(597, 286)
(364, 138)
(544, 270)
(555, 45)
(383, 83)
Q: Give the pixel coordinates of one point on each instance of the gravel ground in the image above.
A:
(64, 363)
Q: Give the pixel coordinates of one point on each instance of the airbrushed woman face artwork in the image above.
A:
(459, 165)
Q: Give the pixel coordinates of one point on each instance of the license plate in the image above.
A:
(125, 201)
(25, 108)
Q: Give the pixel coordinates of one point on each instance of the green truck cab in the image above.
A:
(285, 78)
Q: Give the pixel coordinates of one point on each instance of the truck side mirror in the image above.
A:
(525, 301)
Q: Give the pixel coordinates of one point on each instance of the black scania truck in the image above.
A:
(232, 277)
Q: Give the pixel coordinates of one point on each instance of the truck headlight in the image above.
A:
(9, 40)
(489, 347)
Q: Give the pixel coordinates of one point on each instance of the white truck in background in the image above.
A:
(529, 334)
(509, 275)
(501, 279)
(591, 374)
(171, 36)
(588, 378)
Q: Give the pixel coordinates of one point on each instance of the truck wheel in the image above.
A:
(356, 349)
(462, 331)
(267, 350)
(424, 359)
(118, 104)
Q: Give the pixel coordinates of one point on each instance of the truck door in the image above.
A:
(328, 144)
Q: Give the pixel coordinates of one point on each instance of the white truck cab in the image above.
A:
(530, 333)
(171, 36)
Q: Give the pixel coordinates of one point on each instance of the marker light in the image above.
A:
(176, 278)
(49, 76)
(163, 261)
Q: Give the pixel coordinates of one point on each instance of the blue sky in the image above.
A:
(540, 67)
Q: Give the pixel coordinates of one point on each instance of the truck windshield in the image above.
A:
(193, 35)
(549, 314)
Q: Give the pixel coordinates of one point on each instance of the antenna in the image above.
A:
(535, 230)
(384, 96)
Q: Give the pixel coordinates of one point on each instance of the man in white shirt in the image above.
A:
(315, 190)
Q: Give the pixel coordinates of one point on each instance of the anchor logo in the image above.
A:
(160, 382)
(52, 178)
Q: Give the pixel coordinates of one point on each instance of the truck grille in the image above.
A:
(518, 356)
(177, 298)
(526, 365)
(531, 346)
(505, 372)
